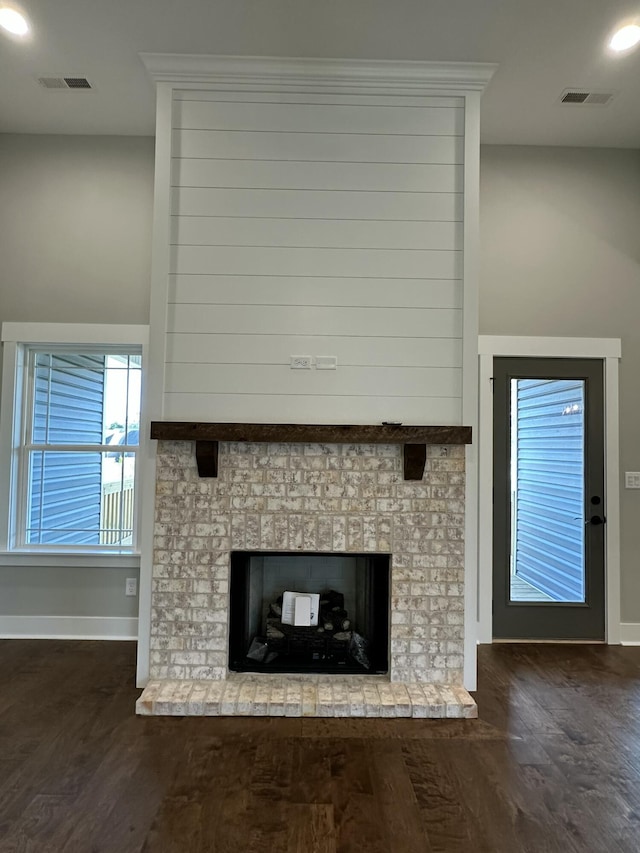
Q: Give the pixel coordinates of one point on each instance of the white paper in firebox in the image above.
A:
(288, 607)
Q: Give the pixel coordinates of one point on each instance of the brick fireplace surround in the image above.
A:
(333, 498)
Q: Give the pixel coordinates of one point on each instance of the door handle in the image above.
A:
(596, 520)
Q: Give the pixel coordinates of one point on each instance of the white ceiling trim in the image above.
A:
(370, 76)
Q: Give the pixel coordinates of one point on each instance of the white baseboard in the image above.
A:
(630, 633)
(68, 627)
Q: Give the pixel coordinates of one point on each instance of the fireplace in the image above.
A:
(352, 501)
(347, 634)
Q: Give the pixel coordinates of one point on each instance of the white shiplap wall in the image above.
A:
(309, 224)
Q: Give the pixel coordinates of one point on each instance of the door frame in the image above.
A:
(609, 350)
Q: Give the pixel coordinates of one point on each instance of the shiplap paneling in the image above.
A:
(325, 147)
(320, 233)
(354, 381)
(318, 118)
(277, 260)
(263, 348)
(315, 320)
(296, 175)
(309, 408)
(313, 290)
(315, 225)
(320, 204)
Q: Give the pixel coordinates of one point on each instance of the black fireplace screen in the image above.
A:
(340, 626)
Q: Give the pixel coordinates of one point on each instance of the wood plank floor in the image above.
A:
(552, 764)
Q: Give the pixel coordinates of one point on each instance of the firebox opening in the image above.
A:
(344, 611)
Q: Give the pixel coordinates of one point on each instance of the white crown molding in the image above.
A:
(371, 76)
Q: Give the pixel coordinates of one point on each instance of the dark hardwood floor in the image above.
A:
(553, 764)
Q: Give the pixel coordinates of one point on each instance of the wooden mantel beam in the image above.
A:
(413, 438)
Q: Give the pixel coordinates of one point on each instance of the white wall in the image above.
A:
(560, 237)
(315, 225)
(75, 243)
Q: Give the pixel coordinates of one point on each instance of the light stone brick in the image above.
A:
(279, 475)
(296, 532)
(246, 698)
(324, 707)
(293, 698)
(281, 533)
(341, 702)
(339, 537)
(418, 699)
(310, 532)
(387, 700)
(309, 700)
(277, 700)
(267, 532)
(342, 463)
(195, 703)
(356, 701)
(146, 702)
(401, 700)
(321, 505)
(248, 504)
(229, 698)
(213, 698)
(308, 463)
(371, 699)
(316, 498)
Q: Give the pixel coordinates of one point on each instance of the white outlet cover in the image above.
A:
(301, 362)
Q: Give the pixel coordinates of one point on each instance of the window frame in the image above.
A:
(19, 341)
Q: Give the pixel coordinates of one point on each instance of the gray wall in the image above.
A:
(560, 256)
(560, 236)
(66, 591)
(75, 243)
(75, 228)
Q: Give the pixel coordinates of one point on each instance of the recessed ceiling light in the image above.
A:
(13, 22)
(625, 38)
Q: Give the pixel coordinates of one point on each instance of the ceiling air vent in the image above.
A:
(575, 97)
(580, 96)
(52, 82)
(64, 83)
(77, 82)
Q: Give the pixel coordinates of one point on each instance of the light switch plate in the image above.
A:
(326, 362)
(632, 479)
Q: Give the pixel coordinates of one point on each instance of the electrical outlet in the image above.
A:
(301, 362)
(632, 479)
(131, 586)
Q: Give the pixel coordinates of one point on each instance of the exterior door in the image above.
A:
(549, 513)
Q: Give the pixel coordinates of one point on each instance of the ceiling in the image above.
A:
(542, 47)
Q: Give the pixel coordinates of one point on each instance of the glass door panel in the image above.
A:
(547, 490)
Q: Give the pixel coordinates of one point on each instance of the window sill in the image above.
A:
(93, 560)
